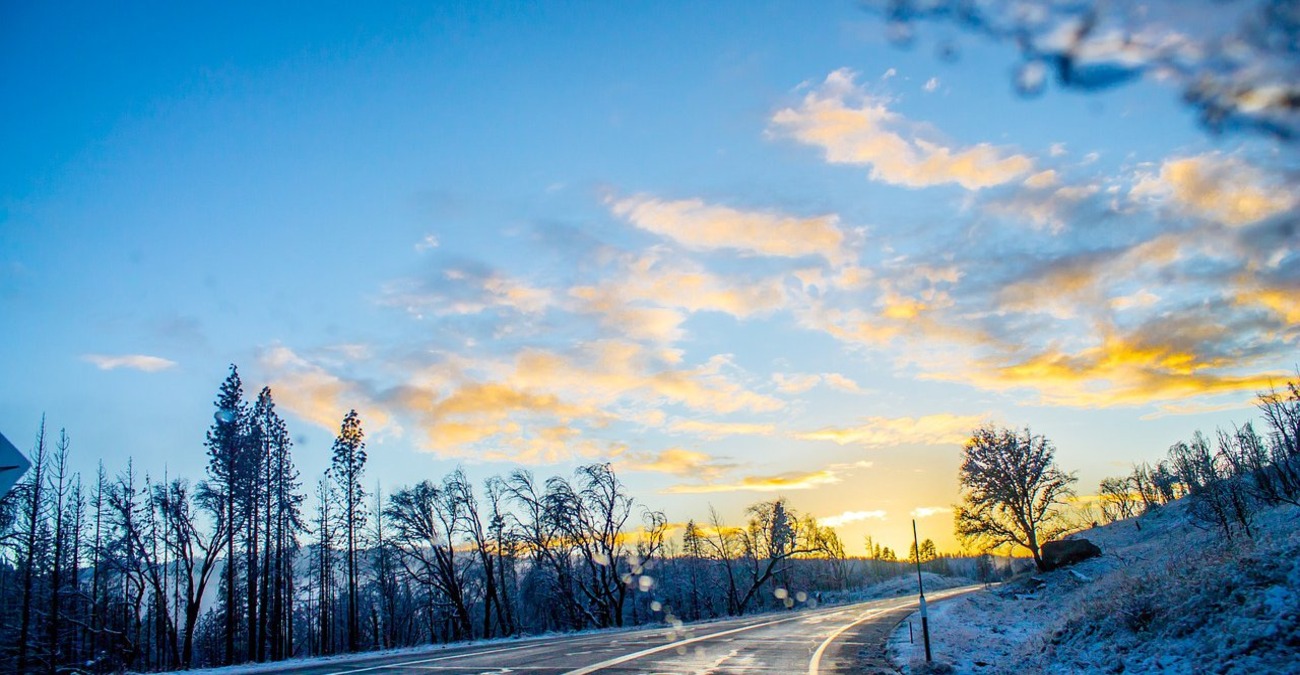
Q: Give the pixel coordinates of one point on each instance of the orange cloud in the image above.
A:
(794, 480)
(1223, 189)
(706, 227)
(674, 461)
(942, 429)
(1121, 370)
(316, 395)
(649, 296)
(853, 127)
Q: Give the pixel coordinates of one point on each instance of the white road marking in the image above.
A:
(636, 655)
(673, 645)
(814, 666)
(438, 658)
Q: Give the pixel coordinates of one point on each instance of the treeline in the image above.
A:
(140, 572)
(1227, 478)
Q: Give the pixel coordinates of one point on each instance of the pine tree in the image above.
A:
(227, 455)
(32, 520)
(347, 467)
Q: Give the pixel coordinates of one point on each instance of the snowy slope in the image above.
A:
(1165, 597)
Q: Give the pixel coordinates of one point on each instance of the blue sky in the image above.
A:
(740, 250)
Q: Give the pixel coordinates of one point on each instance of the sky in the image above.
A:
(741, 250)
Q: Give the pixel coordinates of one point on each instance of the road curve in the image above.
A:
(840, 639)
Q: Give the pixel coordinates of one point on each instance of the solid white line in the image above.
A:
(814, 665)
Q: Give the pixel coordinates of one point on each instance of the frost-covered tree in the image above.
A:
(1012, 490)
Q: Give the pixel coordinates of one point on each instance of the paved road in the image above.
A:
(836, 640)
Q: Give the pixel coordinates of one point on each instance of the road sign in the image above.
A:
(12, 465)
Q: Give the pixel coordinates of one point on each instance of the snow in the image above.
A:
(1166, 598)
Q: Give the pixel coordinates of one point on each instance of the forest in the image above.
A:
(133, 571)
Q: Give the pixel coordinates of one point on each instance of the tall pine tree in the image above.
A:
(227, 480)
(347, 467)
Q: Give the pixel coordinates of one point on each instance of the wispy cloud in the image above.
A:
(465, 289)
(428, 242)
(927, 511)
(313, 393)
(711, 430)
(851, 517)
(676, 462)
(148, 364)
(1218, 187)
(853, 127)
(798, 383)
(648, 296)
(700, 226)
(941, 429)
(794, 480)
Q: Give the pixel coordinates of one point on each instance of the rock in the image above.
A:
(1067, 552)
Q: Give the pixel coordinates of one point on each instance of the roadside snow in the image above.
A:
(1165, 598)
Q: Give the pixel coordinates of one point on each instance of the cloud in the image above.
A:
(941, 429)
(1064, 286)
(465, 289)
(853, 127)
(1169, 360)
(793, 480)
(674, 461)
(798, 383)
(1217, 187)
(602, 371)
(927, 511)
(537, 406)
(1046, 204)
(428, 242)
(649, 296)
(712, 430)
(656, 324)
(148, 364)
(931, 84)
(311, 392)
(705, 227)
(850, 517)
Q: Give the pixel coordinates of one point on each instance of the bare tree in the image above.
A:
(1012, 490)
(195, 554)
(424, 519)
(773, 536)
(1118, 501)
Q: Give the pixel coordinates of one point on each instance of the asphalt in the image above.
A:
(844, 639)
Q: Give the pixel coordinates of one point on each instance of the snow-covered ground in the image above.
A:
(1165, 598)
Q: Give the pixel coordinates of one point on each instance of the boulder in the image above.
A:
(1067, 552)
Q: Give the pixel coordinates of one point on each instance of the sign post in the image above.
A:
(925, 620)
(12, 465)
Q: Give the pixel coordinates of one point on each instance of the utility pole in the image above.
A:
(925, 620)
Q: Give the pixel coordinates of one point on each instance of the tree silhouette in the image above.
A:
(1011, 490)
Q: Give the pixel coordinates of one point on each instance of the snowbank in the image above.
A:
(1164, 597)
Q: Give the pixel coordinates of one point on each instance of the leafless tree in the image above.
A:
(1012, 490)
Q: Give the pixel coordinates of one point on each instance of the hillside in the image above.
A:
(1165, 597)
